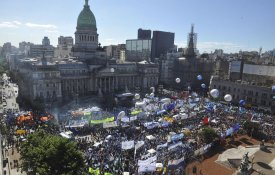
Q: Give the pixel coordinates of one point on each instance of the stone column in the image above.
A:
(113, 83)
(109, 78)
(116, 82)
(105, 88)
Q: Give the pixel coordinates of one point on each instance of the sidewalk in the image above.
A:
(12, 167)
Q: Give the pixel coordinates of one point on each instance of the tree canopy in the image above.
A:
(46, 154)
(251, 127)
(209, 134)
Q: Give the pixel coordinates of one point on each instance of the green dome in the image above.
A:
(86, 18)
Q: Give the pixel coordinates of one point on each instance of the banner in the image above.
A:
(174, 146)
(229, 131)
(103, 120)
(94, 171)
(165, 124)
(151, 125)
(236, 127)
(174, 164)
(148, 165)
(133, 118)
(110, 124)
(127, 145)
(162, 146)
(136, 112)
(203, 150)
(125, 119)
(161, 112)
(176, 137)
(139, 144)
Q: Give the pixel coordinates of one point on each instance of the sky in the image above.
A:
(231, 25)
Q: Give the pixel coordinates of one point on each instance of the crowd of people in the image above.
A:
(164, 135)
(157, 135)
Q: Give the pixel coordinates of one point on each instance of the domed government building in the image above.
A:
(86, 37)
(88, 72)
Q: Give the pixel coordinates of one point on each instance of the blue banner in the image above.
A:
(177, 137)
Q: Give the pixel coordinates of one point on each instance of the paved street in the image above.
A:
(12, 167)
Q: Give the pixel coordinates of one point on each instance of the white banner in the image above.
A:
(127, 145)
(125, 119)
(139, 144)
(162, 146)
(174, 146)
(133, 118)
(148, 165)
(110, 124)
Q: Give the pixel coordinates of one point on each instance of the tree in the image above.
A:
(46, 154)
(251, 127)
(208, 134)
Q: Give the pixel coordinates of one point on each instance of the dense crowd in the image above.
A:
(103, 146)
(163, 136)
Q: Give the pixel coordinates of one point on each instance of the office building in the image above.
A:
(162, 42)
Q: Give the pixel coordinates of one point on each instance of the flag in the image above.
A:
(205, 121)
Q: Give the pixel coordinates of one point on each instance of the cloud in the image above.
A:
(17, 22)
(12, 24)
(41, 26)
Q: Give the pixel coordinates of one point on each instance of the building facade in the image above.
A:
(24, 47)
(37, 50)
(138, 50)
(87, 73)
(6, 49)
(64, 47)
(162, 42)
(186, 66)
(260, 97)
(144, 34)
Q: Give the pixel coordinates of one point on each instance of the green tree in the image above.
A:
(46, 154)
(208, 134)
(251, 127)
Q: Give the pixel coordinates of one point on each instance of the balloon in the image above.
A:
(273, 88)
(112, 70)
(242, 102)
(203, 86)
(228, 97)
(152, 89)
(199, 77)
(137, 96)
(214, 93)
(177, 80)
(121, 115)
